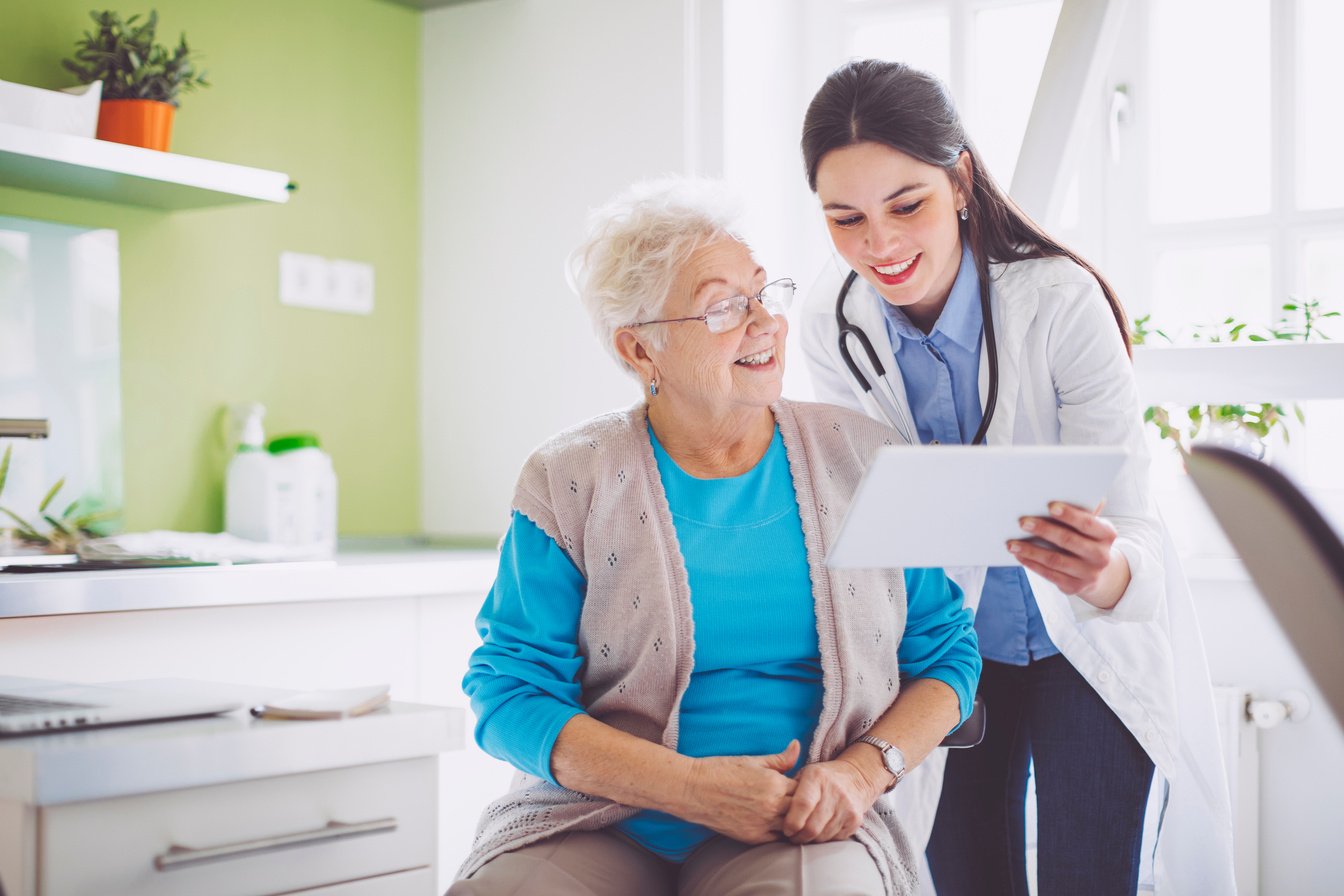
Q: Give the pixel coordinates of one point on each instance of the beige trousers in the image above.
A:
(602, 863)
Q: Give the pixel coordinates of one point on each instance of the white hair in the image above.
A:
(636, 245)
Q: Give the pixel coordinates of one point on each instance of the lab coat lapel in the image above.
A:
(1012, 310)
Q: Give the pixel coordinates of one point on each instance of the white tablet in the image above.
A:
(958, 505)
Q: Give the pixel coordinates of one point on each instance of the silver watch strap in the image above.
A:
(884, 747)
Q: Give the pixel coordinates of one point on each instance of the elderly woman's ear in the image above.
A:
(630, 348)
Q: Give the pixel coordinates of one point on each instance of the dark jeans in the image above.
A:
(1092, 781)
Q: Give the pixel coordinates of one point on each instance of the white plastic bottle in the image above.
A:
(306, 492)
(249, 482)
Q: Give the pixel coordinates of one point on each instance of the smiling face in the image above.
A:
(893, 218)
(714, 376)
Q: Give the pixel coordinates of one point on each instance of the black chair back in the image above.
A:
(1291, 551)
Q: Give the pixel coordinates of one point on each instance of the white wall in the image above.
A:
(534, 112)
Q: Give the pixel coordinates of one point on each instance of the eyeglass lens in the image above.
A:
(729, 313)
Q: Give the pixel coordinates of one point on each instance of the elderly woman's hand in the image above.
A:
(830, 802)
(742, 797)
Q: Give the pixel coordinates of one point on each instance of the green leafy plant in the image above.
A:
(1300, 321)
(124, 56)
(1140, 331)
(1307, 328)
(73, 525)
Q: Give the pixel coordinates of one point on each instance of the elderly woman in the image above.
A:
(696, 703)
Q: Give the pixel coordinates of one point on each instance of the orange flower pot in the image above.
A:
(147, 123)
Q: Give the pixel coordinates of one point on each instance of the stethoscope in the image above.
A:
(899, 419)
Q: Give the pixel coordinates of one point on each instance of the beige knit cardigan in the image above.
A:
(595, 489)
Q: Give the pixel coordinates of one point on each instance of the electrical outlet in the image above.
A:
(311, 281)
(352, 286)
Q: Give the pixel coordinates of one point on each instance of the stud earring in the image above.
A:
(964, 213)
(653, 388)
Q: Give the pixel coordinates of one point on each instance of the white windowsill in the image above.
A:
(1217, 374)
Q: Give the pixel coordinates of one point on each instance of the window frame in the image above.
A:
(1126, 228)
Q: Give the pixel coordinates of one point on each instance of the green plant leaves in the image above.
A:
(1257, 419)
(124, 56)
(77, 522)
(51, 493)
(26, 530)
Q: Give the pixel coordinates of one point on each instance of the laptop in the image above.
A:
(35, 705)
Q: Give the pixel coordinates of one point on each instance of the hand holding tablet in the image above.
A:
(955, 505)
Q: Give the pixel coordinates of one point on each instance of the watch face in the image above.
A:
(895, 761)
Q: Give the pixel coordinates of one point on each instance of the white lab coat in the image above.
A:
(1064, 378)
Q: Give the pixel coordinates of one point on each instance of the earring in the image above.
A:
(653, 388)
(964, 213)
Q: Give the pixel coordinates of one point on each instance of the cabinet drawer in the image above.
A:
(249, 838)
(403, 883)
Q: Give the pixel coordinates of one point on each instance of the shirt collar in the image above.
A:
(960, 320)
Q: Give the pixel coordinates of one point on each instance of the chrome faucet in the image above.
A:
(17, 428)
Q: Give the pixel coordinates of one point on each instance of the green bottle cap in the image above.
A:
(292, 442)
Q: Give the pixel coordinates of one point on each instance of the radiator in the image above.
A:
(1240, 738)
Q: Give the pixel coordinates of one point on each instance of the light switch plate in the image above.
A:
(311, 281)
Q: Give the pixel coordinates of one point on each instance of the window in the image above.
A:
(1225, 197)
(990, 53)
(1222, 195)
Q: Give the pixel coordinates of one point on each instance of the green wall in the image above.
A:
(326, 91)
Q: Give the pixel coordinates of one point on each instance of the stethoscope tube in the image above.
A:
(846, 330)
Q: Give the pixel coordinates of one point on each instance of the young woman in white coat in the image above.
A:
(960, 321)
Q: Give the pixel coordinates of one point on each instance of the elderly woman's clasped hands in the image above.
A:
(752, 799)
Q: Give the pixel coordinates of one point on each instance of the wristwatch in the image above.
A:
(892, 757)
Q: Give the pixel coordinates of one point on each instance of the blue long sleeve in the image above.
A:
(523, 679)
(940, 640)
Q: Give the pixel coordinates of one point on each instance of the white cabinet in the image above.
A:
(227, 806)
(408, 622)
(251, 838)
(404, 883)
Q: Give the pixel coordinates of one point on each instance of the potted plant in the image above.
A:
(141, 79)
(1246, 425)
(76, 523)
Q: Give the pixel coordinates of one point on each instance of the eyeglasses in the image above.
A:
(729, 314)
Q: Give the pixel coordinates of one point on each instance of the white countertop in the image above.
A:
(50, 769)
(351, 576)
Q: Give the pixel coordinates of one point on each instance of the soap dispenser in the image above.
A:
(249, 487)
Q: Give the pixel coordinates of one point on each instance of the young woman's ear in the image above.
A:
(965, 176)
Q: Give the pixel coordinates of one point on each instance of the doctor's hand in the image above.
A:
(1074, 548)
(830, 801)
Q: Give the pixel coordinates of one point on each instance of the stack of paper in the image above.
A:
(339, 704)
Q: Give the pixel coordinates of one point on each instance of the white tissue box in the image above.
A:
(73, 110)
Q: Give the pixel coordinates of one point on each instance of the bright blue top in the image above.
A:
(756, 680)
(941, 370)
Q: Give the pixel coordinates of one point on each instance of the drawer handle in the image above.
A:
(184, 856)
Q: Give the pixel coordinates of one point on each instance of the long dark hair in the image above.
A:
(911, 111)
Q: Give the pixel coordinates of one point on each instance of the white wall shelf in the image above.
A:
(1226, 374)
(113, 172)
